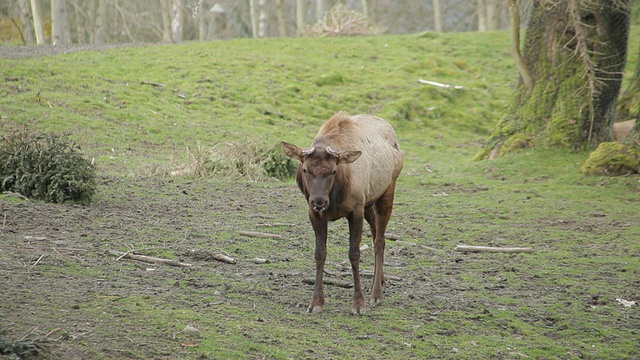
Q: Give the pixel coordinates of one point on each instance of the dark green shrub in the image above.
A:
(45, 166)
(278, 165)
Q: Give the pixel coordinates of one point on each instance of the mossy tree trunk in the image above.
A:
(575, 51)
(629, 106)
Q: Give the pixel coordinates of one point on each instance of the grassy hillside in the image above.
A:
(142, 111)
(269, 89)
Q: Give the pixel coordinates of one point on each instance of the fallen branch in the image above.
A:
(152, 84)
(274, 224)
(148, 259)
(210, 255)
(457, 87)
(511, 250)
(329, 281)
(259, 234)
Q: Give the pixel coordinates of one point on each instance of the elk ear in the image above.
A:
(347, 157)
(291, 150)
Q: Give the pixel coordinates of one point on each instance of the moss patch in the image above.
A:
(612, 158)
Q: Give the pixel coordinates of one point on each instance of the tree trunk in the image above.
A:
(492, 14)
(254, 19)
(575, 51)
(262, 22)
(482, 15)
(101, 23)
(178, 21)
(202, 11)
(165, 5)
(28, 33)
(437, 16)
(282, 25)
(37, 21)
(80, 22)
(321, 9)
(365, 7)
(629, 102)
(300, 16)
(59, 22)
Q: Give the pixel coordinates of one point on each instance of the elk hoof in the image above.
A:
(375, 301)
(356, 311)
(314, 309)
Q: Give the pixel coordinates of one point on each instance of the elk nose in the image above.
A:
(318, 205)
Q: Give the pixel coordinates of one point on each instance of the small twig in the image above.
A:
(428, 82)
(467, 248)
(36, 263)
(51, 332)
(56, 251)
(149, 259)
(259, 234)
(329, 281)
(33, 329)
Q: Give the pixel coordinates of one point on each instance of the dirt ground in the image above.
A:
(64, 294)
(55, 259)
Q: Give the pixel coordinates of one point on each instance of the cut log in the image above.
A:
(259, 234)
(149, 259)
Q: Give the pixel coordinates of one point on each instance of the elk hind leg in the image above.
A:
(383, 207)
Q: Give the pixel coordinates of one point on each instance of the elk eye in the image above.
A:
(333, 172)
(304, 170)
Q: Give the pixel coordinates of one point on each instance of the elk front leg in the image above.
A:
(320, 230)
(355, 235)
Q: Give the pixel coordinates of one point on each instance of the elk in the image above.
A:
(350, 171)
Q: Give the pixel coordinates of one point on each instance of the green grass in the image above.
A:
(449, 305)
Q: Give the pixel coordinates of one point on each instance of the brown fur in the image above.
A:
(350, 171)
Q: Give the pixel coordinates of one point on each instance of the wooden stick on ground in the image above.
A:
(511, 250)
(36, 263)
(149, 259)
(207, 255)
(259, 234)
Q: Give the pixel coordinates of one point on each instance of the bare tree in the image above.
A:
(28, 32)
(100, 18)
(300, 16)
(482, 15)
(322, 6)
(364, 7)
(79, 22)
(59, 22)
(178, 20)
(492, 11)
(253, 18)
(437, 15)
(37, 21)
(282, 25)
(262, 18)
